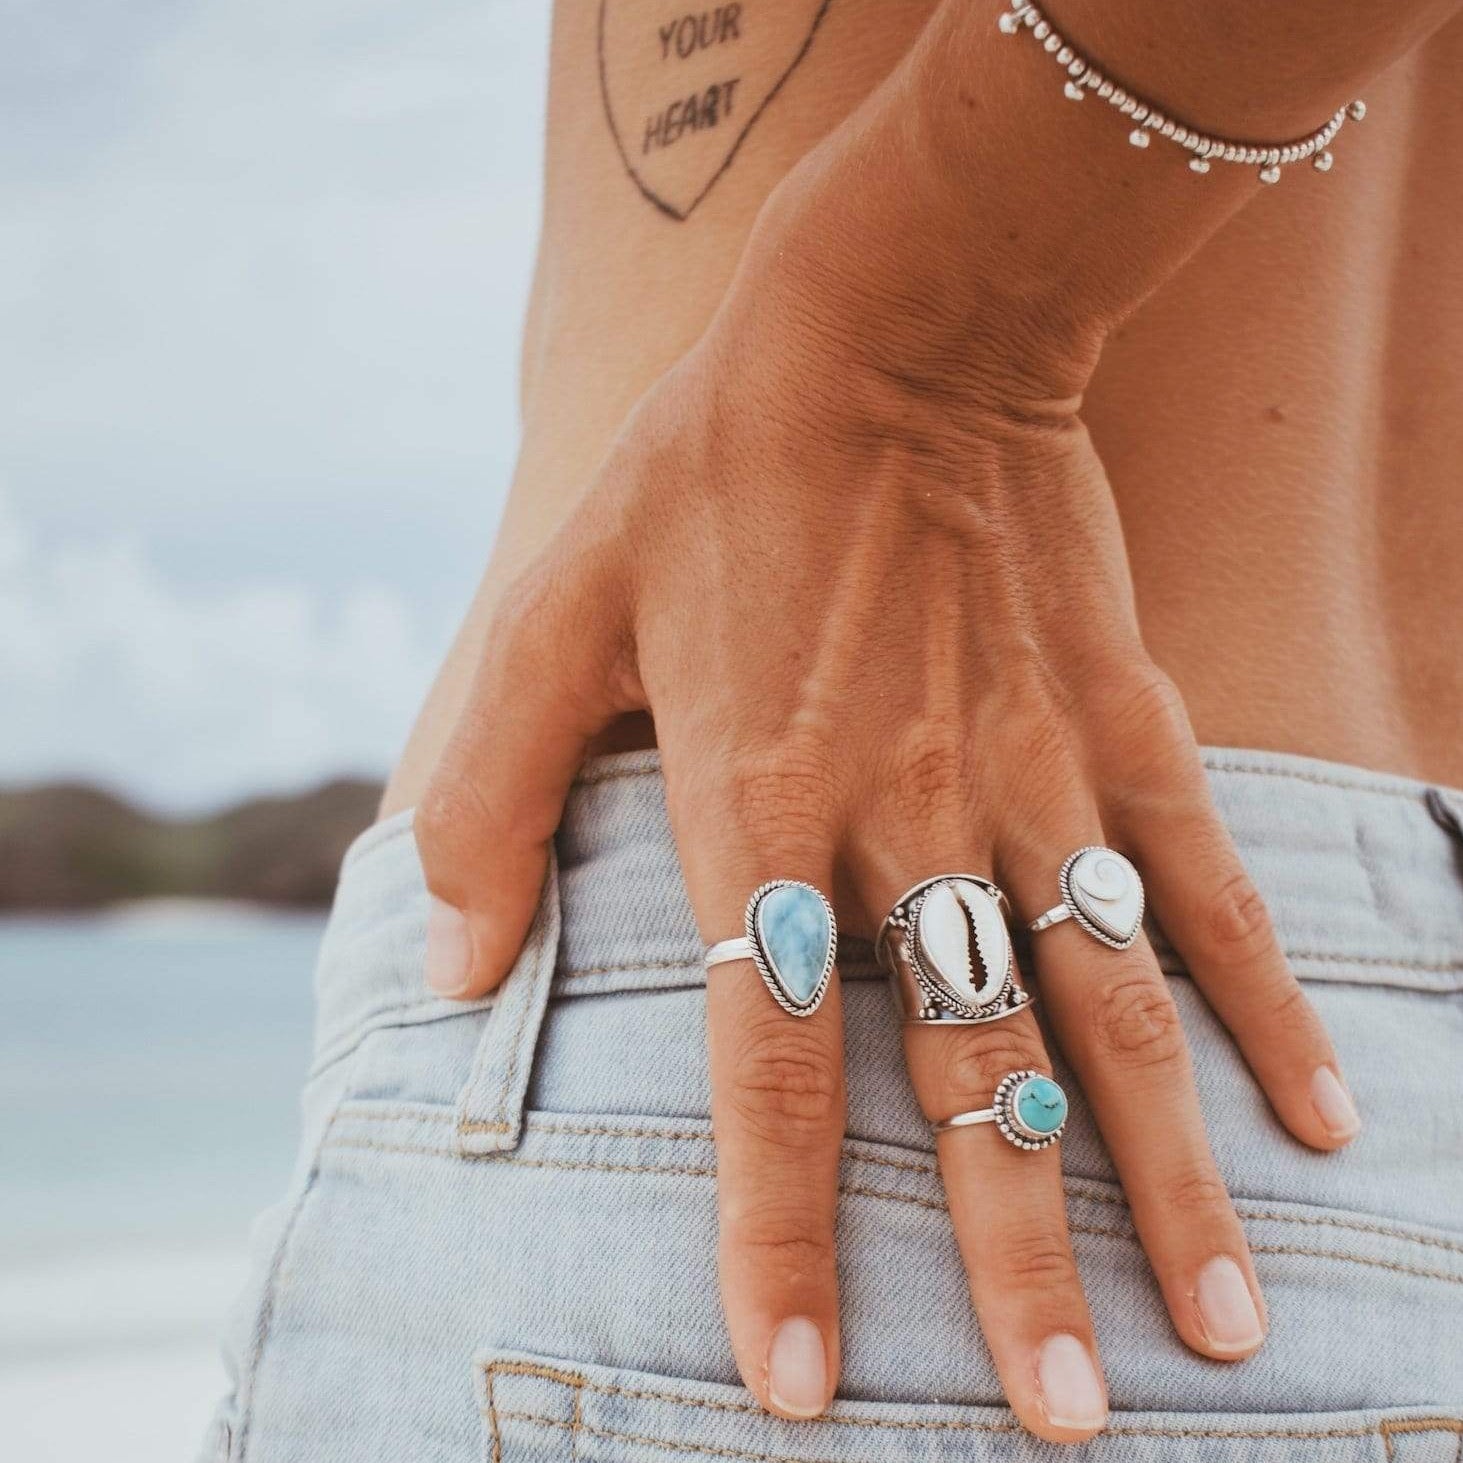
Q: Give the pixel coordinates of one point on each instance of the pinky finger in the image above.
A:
(1210, 908)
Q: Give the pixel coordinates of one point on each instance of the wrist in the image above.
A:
(865, 257)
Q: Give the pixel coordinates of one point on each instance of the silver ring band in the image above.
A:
(1050, 918)
(947, 951)
(1103, 893)
(725, 951)
(966, 1120)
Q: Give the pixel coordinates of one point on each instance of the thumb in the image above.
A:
(554, 675)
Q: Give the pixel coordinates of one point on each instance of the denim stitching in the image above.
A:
(1075, 1187)
(1400, 788)
(861, 1191)
(582, 1384)
(1420, 1425)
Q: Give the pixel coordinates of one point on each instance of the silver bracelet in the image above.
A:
(1083, 76)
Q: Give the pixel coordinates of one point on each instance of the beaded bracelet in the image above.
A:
(1083, 76)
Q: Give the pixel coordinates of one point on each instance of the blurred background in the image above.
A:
(262, 270)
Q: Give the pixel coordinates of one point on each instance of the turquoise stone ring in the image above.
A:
(792, 939)
(1029, 1109)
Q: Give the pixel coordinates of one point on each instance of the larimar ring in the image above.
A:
(947, 951)
(792, 939)
(1101, 890)
(1030, 1110)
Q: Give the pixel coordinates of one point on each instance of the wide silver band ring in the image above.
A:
(1103, 893)
(792, 938)
(1029, 1111)
(947, 952)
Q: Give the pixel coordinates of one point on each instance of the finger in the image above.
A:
(1210, 909)
(549, 681)
(1009, 1212)
(777, 1109)
(1116, 1020)
(1007, 1204)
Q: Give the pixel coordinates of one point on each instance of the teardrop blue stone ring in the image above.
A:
(792, 939)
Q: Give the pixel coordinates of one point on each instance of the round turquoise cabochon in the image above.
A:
(1041, 1105)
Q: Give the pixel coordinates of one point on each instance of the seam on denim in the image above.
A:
(1412, 792)
(715, 1451)
(1076, 1188)
(617, 774)
(265, 1319)
(864, 1192)
(582, 1384)
(1420, 1425)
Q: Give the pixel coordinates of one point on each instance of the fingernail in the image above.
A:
(449, 949)
(797, 1368)
(1226, 1307)
(1333, 1105)
(1071, 1391)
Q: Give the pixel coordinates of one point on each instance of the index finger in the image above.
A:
(777, 1108)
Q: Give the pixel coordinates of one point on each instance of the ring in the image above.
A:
(948, 953)
(1029, 1109)
(792, 938)
(1101, 890)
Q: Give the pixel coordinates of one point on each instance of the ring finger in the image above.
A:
(1113, 1013)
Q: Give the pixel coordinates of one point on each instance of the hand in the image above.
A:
(886, 631)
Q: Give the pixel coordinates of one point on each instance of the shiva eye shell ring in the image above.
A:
(1102, 891)
(947, 951)
(792, 939)
(1029, 1111)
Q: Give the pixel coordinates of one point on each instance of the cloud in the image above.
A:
(265, 267)
(186, 696)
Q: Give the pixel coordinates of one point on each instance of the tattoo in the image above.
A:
(681, 92)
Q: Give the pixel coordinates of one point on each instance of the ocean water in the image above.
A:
(150, 1064)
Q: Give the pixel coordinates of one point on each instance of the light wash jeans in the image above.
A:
(500, 1239)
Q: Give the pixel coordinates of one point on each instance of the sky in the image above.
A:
(263, 265)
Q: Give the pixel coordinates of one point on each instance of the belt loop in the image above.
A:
(490, 1106)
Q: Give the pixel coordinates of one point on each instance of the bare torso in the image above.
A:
(1282, 422)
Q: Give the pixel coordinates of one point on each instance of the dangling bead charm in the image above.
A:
(1270, 174)
(1198, 165)
(1138, 137)
(1357, 110)
(1323, 162)
(1073, 92)
(1010, 22)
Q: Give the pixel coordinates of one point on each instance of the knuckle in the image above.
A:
(792, 784)
(781, 1241)
(1238, 923)
(1147, 708)
(1197, 1194)
(1292, 1015)
(788, 1093)
(1136, 1023)
(969, 1070)
(450, 815)
(1038, 1258)
(931, 770)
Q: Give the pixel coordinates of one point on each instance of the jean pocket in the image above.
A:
(541, 1410)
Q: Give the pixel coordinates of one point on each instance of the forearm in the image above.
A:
(970, 204)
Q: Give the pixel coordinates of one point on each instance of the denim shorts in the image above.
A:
(499, 1242)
